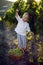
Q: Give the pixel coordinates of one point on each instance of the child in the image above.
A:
(21, 29)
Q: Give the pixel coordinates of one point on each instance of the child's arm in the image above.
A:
(28, 30)
(17, 12)
(17, 15)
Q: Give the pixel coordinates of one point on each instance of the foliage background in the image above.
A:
(34, 9)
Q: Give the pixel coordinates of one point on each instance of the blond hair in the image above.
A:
(26, 13)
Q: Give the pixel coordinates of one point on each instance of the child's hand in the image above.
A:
(17, 10)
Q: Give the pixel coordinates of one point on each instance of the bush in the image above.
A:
(35, 11)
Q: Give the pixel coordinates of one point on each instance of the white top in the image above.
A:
(22, 26)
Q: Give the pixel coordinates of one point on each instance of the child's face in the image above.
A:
(25, 17)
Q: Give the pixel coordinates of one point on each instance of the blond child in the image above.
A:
(21, 29)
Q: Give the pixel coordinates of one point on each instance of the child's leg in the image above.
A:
(24, 41)
(19, 41)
